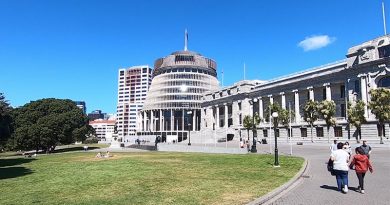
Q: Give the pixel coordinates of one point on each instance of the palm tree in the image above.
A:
(327, 110)
(380, 107)
(311, 114)
(356, 117)
(248, 123)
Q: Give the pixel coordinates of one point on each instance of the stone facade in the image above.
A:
(366, 67)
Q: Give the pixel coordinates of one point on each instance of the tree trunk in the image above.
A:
(327, 128)
(349, 131)
(248, 134)
(311, 130)
(381, 132)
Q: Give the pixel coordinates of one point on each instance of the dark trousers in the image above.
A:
(360, 177)
(342, 178)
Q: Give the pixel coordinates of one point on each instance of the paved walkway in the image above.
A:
(321, 188)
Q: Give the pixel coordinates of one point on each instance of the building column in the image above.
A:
(283, 100)
(296, 106)
(235, 113)
(161, 120)
(328, 91)
(217, 117)
(194, 121)
(311, 93)
(271, 100)
(225, 125)
(261, 108)
(172, 128)
(145, 120)
(152, 120)
(182, 120)
(363, 91)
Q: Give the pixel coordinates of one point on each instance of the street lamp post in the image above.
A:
(189, 128)
(254, 131)
(275, 116)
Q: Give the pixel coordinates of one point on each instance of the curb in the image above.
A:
(278, 192)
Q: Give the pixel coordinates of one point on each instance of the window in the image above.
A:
(384, 51)
(265, 133)
(320, 131)
(342, 91)
(324, 93)
(308, 95)
(342, 109)
(384, 82)
(357, 86)
(303, 132)
(240, 119)
(239, 106)
(338, 131)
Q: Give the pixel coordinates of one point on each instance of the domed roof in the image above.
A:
(185, 53)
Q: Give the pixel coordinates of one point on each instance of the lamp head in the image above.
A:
(275, 114)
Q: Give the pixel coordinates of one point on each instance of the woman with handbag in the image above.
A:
(362, 164)
(340, 167)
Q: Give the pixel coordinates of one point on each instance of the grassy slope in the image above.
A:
(142, 178)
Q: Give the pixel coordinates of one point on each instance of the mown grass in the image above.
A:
(59, 149)
(142, 178)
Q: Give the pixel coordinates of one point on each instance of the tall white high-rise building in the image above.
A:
(133, 85)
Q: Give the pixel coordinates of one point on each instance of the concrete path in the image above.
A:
(317, 186)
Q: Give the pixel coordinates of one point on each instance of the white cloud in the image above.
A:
(316, 42)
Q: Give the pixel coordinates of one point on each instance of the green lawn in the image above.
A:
(142, 178)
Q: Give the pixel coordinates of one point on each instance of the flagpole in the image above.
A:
(384, 17)
(185, 40)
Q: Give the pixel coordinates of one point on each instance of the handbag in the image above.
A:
(330, 167)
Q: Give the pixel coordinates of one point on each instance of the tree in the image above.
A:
(248, 123)
(380, 107)
(356, 117)
(311, 114)
(274, 107)
(47, 123)
(5, 120)
(327, 110)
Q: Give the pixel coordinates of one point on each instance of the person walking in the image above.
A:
(362, 165)
(333, 147)
(340, 166)
(347, 148)
(366, 148)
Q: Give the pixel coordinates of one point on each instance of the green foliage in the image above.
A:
(310, 112)
(380, 104)
(248, 122)
(327, 110)
(48, 122)
(356, 114)
(91, 140)
(283, 114)
(5, 120)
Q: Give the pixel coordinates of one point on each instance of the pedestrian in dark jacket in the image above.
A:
(362, 165)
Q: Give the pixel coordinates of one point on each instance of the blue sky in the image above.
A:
(73, 49)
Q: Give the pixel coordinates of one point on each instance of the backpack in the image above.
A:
(330, 167)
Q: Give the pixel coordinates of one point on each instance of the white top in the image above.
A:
(340, 160)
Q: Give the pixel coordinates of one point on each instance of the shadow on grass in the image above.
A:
(13, 172)
(14, 161)
(73, 149)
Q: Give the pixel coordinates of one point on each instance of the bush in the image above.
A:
(91, 140)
